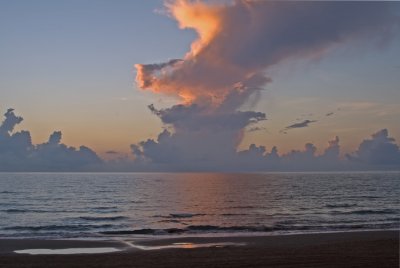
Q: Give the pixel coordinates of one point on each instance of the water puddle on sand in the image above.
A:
(184, 245)
(65, 251)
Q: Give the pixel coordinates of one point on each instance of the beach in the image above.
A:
(344, 249)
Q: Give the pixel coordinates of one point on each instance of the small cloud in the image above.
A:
(112, 152)
(253, 129)
(305, 123)
(11, 120)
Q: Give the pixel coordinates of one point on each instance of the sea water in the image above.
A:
(70, 205)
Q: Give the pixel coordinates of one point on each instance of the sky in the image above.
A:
(72, 66)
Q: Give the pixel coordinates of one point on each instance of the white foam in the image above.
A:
(65, 251)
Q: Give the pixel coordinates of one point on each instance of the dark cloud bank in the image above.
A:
(17, 153)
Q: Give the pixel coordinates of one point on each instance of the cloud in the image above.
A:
(302, 124)
(257, 158)
(379, 150)
(210, 147)
(378, 153)
(308, 160)
(201, 138)
(196, 117)
(55, 138)
(238, 42)
(332, 152)
(112, 152)
(17, 153)
(237, 45)
(11, 120)
(254, 129)
(145, 72)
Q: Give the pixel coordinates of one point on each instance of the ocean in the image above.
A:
(89, 205)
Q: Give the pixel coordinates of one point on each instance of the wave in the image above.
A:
(185, 215)
(189, 229)
(110, 218)
(363, 197)
(242, 207)
(16, 210)
(367, 212)
(234, 214)
(104, 208)
(13, 210)
(346, 205)
(193, 229)
(81, 227)
(171, 221)
(179, 215)
(137, 202)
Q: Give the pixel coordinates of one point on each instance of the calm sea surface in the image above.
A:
(104, 204)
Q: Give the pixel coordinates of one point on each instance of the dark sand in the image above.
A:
(355, 249)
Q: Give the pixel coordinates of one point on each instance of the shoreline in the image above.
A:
(134, 235)
(338, 249)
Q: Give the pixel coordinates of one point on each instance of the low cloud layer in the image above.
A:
(17, 153)
(200, 139)
(379, 150)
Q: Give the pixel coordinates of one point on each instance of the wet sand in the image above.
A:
(350, 249)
